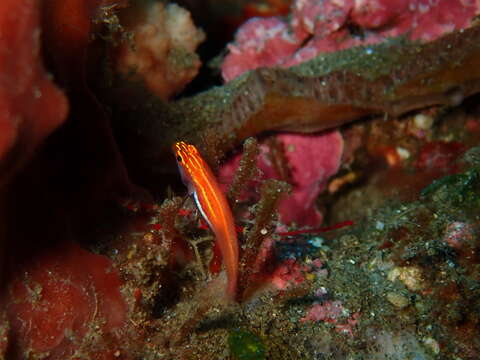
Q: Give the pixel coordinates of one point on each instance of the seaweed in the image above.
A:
(246, 171)
(264, 226)
(279, 159)
(168, 213)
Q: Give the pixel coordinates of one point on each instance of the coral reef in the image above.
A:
(379, 143)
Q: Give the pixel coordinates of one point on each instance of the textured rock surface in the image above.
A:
(31, 106)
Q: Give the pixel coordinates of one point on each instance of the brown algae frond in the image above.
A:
(247, 169)
(265, 215)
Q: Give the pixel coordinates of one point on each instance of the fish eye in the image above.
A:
(179, 158)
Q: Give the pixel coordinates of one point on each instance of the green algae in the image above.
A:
(245, 345)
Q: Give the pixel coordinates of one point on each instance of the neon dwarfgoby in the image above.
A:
(213, 205)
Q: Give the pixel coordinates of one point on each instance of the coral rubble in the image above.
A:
(162, 49)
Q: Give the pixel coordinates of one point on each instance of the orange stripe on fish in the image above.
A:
(213, 206)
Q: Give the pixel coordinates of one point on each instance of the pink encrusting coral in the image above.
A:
(324, 26)
(420, 19)
(259, 42)
(162, 52)
(328, 311)
(312, 160)
(292, 272)
(289, 272)
(333, 312)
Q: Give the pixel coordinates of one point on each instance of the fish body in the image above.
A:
(212, 204)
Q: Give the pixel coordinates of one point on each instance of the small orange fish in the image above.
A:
(213, 206)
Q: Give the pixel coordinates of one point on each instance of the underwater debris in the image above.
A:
(293, 271)
(398, 300)
(411, 276)
(162, 50)
(149, 255)
(295, 249)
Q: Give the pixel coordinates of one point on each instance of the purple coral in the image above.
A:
(324, 26)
